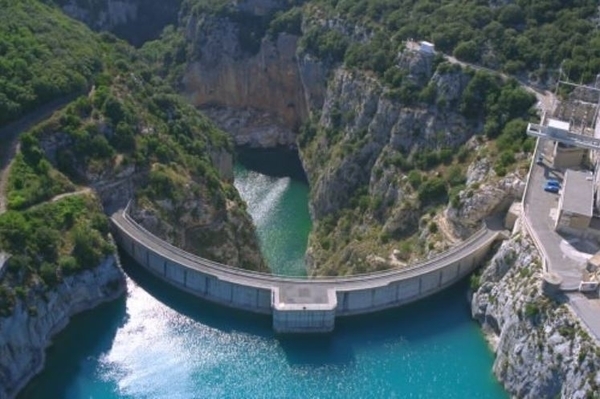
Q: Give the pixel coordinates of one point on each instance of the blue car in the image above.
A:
(553, 182)
(551, 188)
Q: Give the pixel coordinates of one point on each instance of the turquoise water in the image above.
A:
(161, 343)
(279, 209)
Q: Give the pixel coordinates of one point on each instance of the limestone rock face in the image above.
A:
(485, 194)
(109, 15)
(252, 128)
(376, 126)
(26, 334)
(542, 350)
(263, 89)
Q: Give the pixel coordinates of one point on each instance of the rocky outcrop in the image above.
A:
(367, 119)
(484, 195)
(251, 127)
(480, 200)
(189, 200)
(256, 94)
(106, 16)
(542, 350)
(357, 155)
(26, 334)
(195, 225)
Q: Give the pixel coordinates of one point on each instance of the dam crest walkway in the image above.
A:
(302, 305)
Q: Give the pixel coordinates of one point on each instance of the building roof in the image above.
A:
(578, 193)
(558, 124)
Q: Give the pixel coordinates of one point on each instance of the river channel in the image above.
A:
(160, 343)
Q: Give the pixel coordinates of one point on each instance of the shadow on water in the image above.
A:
(88, 336)
(415, 322)
(215, 316)
(277, 162)
(315, 350)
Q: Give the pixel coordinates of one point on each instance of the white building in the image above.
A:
(426, 47)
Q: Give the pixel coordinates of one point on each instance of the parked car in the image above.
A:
(551, 188)
(540, 160)
(553, 182)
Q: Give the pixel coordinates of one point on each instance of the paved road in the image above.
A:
(540, 209)
(540, 212)
(546, 99)
(263, 280)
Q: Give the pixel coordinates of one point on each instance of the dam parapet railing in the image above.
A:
(299, 304)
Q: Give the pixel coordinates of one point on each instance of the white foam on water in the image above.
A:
(262, 194)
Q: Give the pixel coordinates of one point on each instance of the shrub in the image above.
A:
(68, 265)
(531, 310)
(48, 274)
(475, 282)
(414, 179)
(433, 190)
(433, 227)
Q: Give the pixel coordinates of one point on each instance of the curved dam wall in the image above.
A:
(299, 305)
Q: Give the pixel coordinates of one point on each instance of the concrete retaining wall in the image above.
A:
(401, 292)
(254, 292)
(205, 286)
(307, 321)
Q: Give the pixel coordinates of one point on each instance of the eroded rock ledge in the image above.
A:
(25, 335)
(542, 350)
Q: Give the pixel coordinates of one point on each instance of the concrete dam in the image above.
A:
(300, 305)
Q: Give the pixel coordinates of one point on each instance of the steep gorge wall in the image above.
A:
(257, 98)
(542, 350)
(25, 335)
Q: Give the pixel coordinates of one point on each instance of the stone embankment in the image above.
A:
(25, 335)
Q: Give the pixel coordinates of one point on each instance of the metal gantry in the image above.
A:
(573, 136)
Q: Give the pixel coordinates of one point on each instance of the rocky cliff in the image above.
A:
(25, 335)
(542, 349)
(255, 94)
(134, 20)
(365, 128)
(359, 135)
(357, 156)
(485, 193)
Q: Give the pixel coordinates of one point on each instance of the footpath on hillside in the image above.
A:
(9, 145)
(9, 139)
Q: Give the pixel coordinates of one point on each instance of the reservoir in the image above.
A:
(161, 343)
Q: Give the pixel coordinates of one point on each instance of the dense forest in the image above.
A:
(531, 39)
(43, 56)
(517, 37)
(123, 116)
